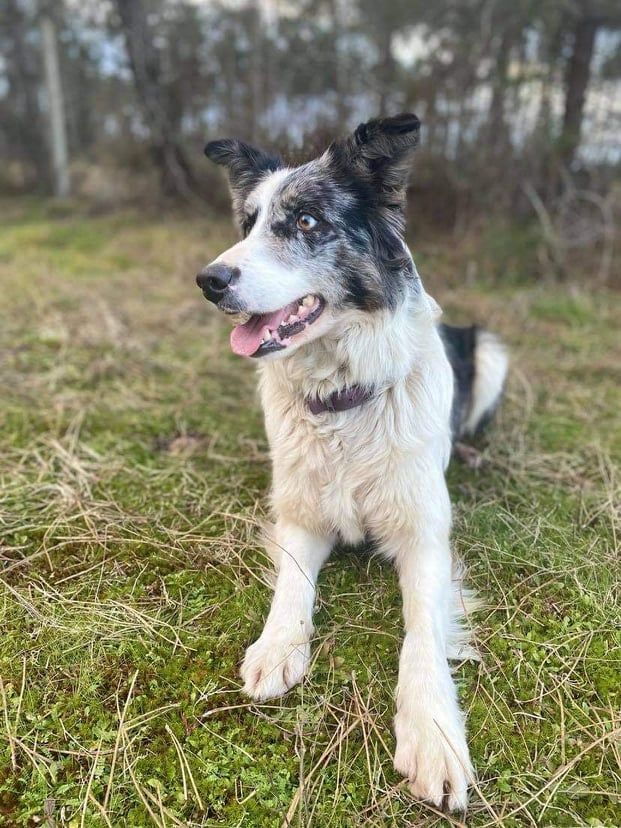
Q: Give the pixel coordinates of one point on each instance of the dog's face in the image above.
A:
(317, 239)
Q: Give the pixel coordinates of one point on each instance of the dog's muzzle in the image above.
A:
(215, 279)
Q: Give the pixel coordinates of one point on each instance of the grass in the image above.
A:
(133, 474)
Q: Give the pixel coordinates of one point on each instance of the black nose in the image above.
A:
(214, 279)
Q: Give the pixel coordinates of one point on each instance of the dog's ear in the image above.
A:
(380, 150)
(246, 165)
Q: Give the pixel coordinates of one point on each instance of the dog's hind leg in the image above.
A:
(431, 740)
(279, 658)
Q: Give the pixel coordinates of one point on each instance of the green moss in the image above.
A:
(576, 311)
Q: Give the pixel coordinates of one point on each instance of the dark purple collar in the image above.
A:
(341, 400)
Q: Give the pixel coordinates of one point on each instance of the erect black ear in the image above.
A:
(380, 150)
(246, 165)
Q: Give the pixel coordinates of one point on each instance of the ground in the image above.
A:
(133, 474)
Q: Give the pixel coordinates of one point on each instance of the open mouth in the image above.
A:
(265, 333)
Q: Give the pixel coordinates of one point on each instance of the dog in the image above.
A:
(364, 393)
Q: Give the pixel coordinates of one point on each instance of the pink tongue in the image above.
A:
(246, 339)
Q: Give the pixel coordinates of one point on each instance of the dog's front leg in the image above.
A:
(429, 726)
(279, 658)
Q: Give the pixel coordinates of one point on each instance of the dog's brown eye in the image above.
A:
(306, 222)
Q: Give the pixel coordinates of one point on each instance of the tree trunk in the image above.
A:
(22, 72)
(497, 131)
(258, 75)
(385, 69)
(340, 82)
(56, 109)
(175, 173)
(543, 157)
(577, 79)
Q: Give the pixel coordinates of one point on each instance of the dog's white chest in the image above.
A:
(355, 472)
(318, 474)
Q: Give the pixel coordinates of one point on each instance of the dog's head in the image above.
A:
(317, 240)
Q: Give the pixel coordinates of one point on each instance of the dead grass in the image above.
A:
(133, 470)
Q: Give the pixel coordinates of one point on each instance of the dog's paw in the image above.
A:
(273, 665)
(433, 755)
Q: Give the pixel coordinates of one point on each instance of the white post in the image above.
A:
(56, 109)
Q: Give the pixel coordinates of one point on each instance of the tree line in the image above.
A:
(506, 89)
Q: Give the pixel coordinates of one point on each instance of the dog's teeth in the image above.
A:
(293, 318)
(300, 310)
(308, 301)
(267, 336)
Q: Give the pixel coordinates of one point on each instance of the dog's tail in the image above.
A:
(480, 363)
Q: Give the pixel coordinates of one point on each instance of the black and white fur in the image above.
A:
(323, 247)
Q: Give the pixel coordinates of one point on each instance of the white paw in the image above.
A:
(273, 665)
(432, 753)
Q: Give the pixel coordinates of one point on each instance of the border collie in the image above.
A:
(364, 392)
